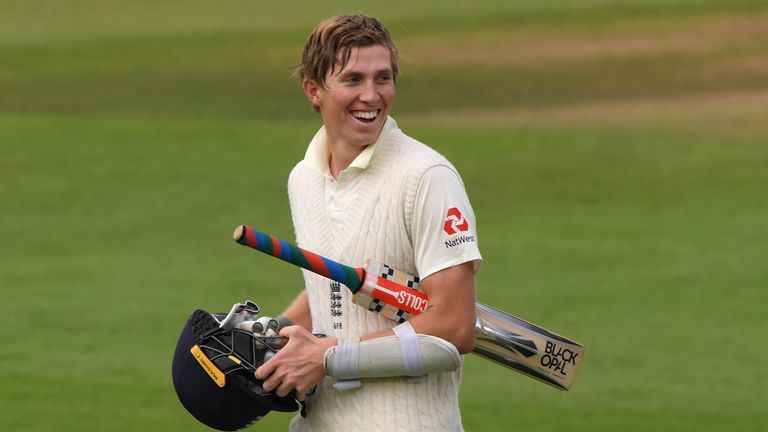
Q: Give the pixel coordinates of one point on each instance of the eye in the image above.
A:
(384, 79)
(352, 79)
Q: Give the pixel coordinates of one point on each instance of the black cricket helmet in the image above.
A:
(213, 372)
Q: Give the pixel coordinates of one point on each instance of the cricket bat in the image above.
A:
(499, 336)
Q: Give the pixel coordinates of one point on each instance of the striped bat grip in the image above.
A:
(353, 278)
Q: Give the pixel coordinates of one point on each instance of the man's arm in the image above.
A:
(298, 311)
(451, 312)
(450, 316)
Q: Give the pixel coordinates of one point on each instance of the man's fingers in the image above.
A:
(270, 383)
(290, 331)
(262, 372)
(265, 370)
(283, 389)
(281, 393)
(301, 396)
(270, 375)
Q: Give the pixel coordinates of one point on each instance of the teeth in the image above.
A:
(368, 115)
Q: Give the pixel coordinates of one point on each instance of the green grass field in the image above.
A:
(616, 154)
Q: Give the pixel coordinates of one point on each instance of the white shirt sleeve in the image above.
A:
(444, 226)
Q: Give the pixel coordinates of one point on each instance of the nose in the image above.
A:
(370, 92)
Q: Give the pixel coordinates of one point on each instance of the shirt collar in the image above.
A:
(318, 155)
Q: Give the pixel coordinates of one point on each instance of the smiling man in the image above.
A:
(366, 191)
(354, 102)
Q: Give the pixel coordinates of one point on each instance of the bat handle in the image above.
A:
(353, 278)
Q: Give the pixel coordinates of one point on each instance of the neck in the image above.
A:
(341, 157)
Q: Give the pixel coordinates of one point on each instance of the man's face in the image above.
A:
(357, 99)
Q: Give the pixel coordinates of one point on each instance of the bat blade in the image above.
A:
(526, 347)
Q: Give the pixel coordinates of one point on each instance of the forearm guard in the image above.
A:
(383, 357)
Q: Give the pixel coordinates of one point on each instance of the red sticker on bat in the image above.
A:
(407, 299)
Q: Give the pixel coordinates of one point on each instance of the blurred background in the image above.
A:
(615, 152)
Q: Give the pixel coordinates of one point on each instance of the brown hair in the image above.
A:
(331, 43)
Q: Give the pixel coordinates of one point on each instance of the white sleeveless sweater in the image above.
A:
(377, 226)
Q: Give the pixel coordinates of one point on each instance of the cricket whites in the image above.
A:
(500, 337)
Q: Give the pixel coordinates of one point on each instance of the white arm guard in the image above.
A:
(383, 357)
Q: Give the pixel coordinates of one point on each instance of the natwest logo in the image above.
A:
(455, 222)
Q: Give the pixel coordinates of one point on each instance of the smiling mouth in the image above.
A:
(365, 116)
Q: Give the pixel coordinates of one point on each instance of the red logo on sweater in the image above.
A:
(455, 222)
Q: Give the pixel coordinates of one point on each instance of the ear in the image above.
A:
(312, 89)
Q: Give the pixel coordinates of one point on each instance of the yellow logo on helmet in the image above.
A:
(216, 375)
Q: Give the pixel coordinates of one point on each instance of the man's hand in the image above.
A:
(298, 365)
